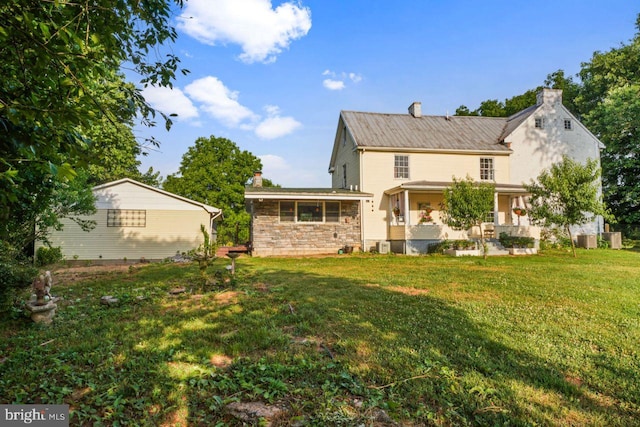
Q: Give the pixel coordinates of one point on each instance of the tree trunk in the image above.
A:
(482, 243)
(573, 246)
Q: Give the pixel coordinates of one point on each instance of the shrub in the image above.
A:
(15, 272)
(516, 241)
(46, 256)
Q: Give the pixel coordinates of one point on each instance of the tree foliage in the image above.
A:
(60, 94)
(515, 104)
(610, 102)
(58, 57)
(567, 194)
(466, 204)
(214, 171)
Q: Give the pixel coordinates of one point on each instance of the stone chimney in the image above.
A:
(257, 179)
(415, 109)
(549, 96)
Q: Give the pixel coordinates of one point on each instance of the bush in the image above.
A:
(438, 248)
(15, 273)
(46, 256)
(516, 241)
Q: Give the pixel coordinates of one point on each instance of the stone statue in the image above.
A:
(42, 310)
(42, 287)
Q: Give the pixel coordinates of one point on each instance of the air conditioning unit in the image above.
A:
(587, 241)
(383, 247)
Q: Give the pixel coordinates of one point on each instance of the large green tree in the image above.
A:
(567, 194)
(510, 106)
(466, 204)
(57, 59)
(610, 103)
(59, 64)
(215, 171)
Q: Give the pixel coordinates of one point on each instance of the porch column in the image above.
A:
(496, 220)
(406, 208)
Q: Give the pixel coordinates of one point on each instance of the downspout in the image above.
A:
(407, 221)
(211, 224)
(362, 239)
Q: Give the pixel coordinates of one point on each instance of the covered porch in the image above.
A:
(414, 216)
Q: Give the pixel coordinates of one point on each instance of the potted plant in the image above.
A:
(396, 210)
(519, 211)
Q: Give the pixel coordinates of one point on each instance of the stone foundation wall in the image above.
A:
(272, 237)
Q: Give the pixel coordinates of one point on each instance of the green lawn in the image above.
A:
(541, 340)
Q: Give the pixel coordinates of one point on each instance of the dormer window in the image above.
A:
(568, 125)
(539, 122)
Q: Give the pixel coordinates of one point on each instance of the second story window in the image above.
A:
(568, 125)
(539, 122)
(486, 169)
(401, 167)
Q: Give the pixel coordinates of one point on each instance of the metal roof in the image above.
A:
(303, 193)
(442, 133)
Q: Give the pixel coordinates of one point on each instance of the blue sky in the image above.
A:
(274, 76)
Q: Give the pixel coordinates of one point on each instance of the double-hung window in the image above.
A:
(486, 169)
(401, 167)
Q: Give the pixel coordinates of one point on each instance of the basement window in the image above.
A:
(126, 218)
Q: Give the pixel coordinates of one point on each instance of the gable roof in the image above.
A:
(215, 212)
(448, 133)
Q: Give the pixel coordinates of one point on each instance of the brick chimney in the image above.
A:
(415, 109)
(257, 179)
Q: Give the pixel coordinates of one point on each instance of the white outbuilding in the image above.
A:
(136, 221)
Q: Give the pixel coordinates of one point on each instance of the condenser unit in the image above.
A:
(383, 247)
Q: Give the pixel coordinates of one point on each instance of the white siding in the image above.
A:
(166, 232)
(128, 195)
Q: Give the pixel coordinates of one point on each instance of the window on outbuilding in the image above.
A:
(309, 211)
(126, 218)
(287, 211)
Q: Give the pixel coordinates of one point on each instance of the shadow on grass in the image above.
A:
(316, 343)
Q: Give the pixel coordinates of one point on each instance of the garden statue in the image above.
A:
(42, 287)
(42, 310)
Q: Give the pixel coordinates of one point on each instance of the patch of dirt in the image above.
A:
(220, 361)
(69, 275)
(226, 298)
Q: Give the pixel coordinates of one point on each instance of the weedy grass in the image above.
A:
(540, 340)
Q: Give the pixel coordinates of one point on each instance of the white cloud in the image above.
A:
(338, 81)
(261, 31)
(170, 101)
(333, 84)
(280, 171)
(275, 127)
(356, 78)
(272, 163)
(219, 101)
